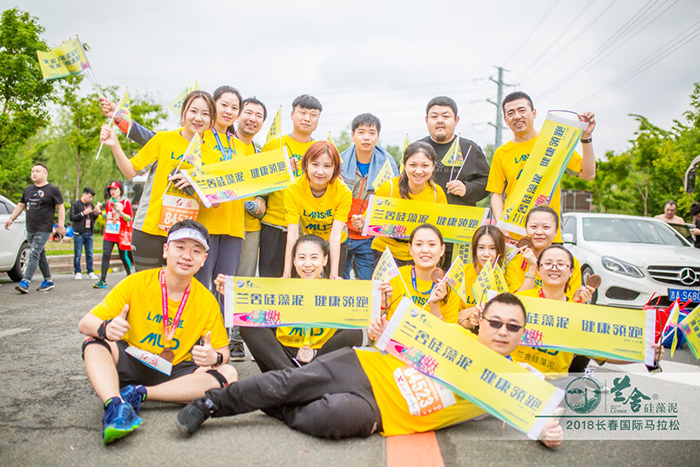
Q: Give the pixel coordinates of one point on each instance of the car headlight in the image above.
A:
(620, 267)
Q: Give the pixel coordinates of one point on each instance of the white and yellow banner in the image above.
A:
(469, 368)
(543, 170)
(270, 302)
(242, 177)
(397, 217)
(596, 331)
(67, 59)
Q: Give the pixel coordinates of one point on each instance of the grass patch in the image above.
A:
(66, 247)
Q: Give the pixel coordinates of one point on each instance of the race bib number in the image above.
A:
(423, 395)
(177, 208)
(149, 359)
(112, 227)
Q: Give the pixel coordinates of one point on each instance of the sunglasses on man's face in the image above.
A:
(494, 323)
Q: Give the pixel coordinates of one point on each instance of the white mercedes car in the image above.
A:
(634, 256)
(14, 249)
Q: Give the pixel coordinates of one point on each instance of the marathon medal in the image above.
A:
(169, 331)
(305, 353)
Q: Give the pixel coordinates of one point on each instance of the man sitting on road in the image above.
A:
(353, 392)
(132, 325)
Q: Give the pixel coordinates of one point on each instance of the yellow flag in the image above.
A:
(275, 127)
(483, 283)
(455, 279)
(499, 279)
(330, 140)
(405, 145)
(672, 326)
(691, 329)
(386, 270)
(124, 111)
(195, 86)
(454, 157)
(176, 104)
(385, 173)
(67, 59)
(193, 154)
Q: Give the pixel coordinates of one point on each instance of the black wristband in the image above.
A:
(586, 141)
(102, 330)
(219, 359)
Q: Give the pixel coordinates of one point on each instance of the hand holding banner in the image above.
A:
(313, 303)
(469, 368)
(397, 217)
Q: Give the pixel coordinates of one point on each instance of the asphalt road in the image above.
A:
(49, 414)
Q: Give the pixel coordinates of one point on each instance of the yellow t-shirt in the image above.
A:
(509, 161)
(390, 189)
(141, 291)
(275, 214)
(469, 278)
(252, 223)
(291, 336)
(317, 214)
(383, 369)
(515, 276)
(227, 218)
(449, 307)
(166, 148)
(552, 363)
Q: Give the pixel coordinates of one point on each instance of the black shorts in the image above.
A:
(132, 371)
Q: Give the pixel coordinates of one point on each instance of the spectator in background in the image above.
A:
(669, 216)
(118, 228)
(695, 212)
(83, 215)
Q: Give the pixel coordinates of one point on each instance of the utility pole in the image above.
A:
(499, 114)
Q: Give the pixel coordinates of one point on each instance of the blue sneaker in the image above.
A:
(46, 285)
(134, 395)
(119, 421)
(22, 287)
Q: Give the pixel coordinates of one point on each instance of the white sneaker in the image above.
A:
(93, 276)
(78, 276)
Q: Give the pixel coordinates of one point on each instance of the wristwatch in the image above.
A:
(219, 359)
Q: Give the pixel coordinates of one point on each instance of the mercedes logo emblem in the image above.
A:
(687, 276)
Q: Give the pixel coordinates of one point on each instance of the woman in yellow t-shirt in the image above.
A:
(279, 348)
(488, 245)
(541, 225)
(321, 202)
(554, 266)
(166, 149)
(427, 249)
(416, 182)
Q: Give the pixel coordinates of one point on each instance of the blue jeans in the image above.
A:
(37, 255)
(84, 239)
(360, 254)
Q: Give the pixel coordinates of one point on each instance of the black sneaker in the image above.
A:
(191, 417)
(237, 351)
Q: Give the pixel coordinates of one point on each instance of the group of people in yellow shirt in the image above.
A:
(311, 230)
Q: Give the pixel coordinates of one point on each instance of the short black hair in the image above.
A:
(41, 164)
(442, 101)
(507, 299)
(89, 191)
(108, 194)
(695, 209)
(255, 100)
(366, 119)
(307, 102)
(514, 96)
(190, 224)
(543, 208)
(669, 202)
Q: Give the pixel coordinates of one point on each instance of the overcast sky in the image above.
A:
(390, 57)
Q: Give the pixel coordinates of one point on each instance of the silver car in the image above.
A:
(634, 256)
(14, 249)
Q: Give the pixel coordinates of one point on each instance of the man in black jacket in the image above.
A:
(83, 215)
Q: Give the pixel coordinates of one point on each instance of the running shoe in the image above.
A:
(191, 417)
(134, 395)
(22, 287)
(119, 421)
(100, 285)
(46, 285)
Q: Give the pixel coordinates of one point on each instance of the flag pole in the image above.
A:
(111, 120)
(178, 165)
(463, 162)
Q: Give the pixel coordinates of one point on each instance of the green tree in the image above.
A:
(24, 96)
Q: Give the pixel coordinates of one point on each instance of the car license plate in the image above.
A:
(684, 295)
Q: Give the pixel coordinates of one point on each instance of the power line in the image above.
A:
(576, 36)
(548, 12)
(618, 39)
(561, 34)
(664, 51)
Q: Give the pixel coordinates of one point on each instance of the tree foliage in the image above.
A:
(641, 179)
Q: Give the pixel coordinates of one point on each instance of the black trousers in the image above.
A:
(271, 355)
(107, 247)
(330, 397)
(273, 246)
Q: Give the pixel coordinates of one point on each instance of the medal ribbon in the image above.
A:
(169, 331)
(307, 337)
(226, 153)
(415, 285)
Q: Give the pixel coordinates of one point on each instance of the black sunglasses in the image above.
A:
(494, 323)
